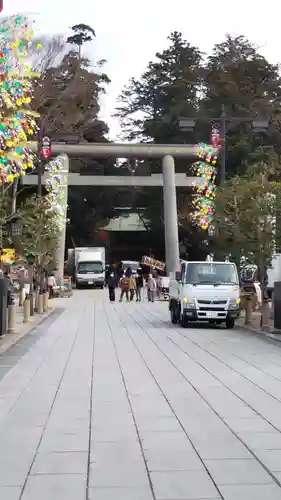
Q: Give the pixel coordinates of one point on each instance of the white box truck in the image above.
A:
(89, 266)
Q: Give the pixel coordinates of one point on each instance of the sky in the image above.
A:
(129, 33)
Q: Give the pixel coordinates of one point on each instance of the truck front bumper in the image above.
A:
(210, 315)
(90, 282)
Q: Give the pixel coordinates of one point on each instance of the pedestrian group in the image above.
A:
(131, 286)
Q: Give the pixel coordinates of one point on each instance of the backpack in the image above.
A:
(125, 283)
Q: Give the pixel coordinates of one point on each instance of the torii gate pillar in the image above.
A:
(170, 216)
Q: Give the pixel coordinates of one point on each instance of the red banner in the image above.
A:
(215, 136)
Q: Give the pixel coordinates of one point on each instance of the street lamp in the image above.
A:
(186, 124)
(260, 126)
(15, 226)
(225, 122)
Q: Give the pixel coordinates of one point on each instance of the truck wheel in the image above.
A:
(77, 286)
(174, 316)
(230, 323)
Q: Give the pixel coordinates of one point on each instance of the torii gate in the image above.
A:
(129, 150)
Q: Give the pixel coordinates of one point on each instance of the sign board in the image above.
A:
(156, 264)
(8, 255)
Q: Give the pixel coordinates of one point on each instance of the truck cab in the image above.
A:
(206, 291)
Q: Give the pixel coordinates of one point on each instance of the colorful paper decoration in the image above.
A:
(55, 186)
(17, 120)
(205, 191)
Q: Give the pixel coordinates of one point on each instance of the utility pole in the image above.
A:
(223, 123)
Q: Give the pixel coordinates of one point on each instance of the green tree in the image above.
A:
(149, 110)
(245, 221)
(239, 78)
(167, 89)
(179, 83)
(67, 97)
(82, 33)
(40, 231)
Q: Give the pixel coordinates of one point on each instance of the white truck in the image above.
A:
(205, 291)
(88, 264)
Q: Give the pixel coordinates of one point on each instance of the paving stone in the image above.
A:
(277, 475)
(10, 493)
(49, 389)
(251, 492)
(60, 463)
(55, 487)
(117, 464)
(150, 407)
(271, 459)
(237, 472)
(120, 494)
(158, 424)
(262, 440)
(114, 432)
(64, 442)
(14, 466)
(124, 473)
(250, 425)
(112, 451)
(185, 485)
(215, 447)
(171, 460)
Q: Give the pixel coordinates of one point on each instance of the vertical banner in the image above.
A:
(215, 135)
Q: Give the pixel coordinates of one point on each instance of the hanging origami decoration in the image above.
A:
(205, 190)
(17, 120)
(55, 183)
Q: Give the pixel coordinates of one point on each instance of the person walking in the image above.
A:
(128, 272)
(139, 285)
(112, 282)
(51, 285)
(124, 285)
(132, 287)
(151, 288)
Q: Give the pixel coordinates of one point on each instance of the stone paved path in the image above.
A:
(110, 402)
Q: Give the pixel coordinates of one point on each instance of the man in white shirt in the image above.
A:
(51, 284)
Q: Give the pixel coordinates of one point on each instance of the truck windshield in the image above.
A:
(90, 267)
(133, 265)
(211, 273)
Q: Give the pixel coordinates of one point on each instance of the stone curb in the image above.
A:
(251, 329)
(11, 339)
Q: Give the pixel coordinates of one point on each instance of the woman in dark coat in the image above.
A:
(112, 280)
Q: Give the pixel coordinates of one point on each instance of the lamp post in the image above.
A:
(224, 123)
(15, 226)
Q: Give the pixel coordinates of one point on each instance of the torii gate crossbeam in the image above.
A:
(131, 150)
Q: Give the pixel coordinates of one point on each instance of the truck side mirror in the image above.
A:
(178, 276)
